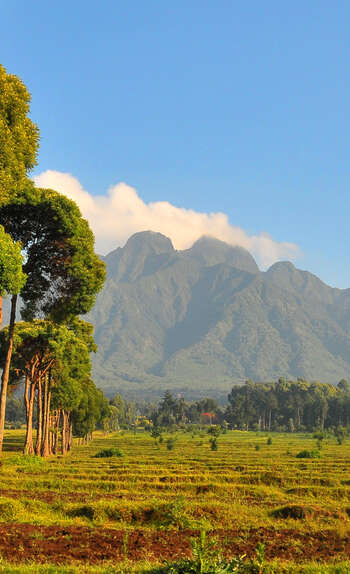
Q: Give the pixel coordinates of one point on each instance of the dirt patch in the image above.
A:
(23, 542)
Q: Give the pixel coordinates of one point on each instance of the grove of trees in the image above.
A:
(48, 263)
(289, 405)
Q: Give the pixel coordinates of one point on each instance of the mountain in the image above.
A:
(199, 320)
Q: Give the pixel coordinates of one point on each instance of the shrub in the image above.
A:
(269, 440)
(109, 452)
(214, 430)
(170, 443)
(169, 514)
(308, 454)
(295, 511)
(83, 510)
(213, 443)
(156, 432)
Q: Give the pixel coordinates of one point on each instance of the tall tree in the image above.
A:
(19, 142)
(12, 278)
(63, 272)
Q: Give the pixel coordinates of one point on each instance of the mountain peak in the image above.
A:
(282, 266)
(151, 241)
(128, 262)
(287, 276)
(211, 251)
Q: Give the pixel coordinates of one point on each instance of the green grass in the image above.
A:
(236, 489)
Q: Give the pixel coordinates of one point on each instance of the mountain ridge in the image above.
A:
(199, 320)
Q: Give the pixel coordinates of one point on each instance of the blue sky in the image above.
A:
(212, 106)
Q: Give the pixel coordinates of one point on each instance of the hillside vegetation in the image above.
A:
(196, 321)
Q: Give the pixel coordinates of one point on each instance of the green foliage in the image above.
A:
(19, 136)
(156, 432)
(124, 412)
(28, 461)
(308, 454)
(63, 272)
(170, 514)
(287, 406)
(214, 430)
(109, 452)
(9, 509)
(206, 559)
(213, 441)
(12, 278)
(170, 443)
(340, 434)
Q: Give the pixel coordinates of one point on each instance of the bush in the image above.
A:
(309, 454)
(294, 511)
(170, 443)
(213, 443)
(214, 430)
(172, 514)
(109, 452)
(84, 510)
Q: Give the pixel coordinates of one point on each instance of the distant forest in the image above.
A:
(284, 406)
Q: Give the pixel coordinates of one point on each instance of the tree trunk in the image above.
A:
(57, 431)
(69, 432)
(45, 449)
(0, 312)
(29, 396)
(40, 419)
(6, 371)
(64, 432)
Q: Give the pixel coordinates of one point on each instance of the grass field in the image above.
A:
(138, 511)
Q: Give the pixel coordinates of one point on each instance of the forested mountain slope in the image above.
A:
(196, 321)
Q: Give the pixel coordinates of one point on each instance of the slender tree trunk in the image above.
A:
(0, 312)
(6, 371)
(29, 396)
(52, 435)
(64, 432)
(69, 431)
(40, 419)
(57, 431)
(45, 449)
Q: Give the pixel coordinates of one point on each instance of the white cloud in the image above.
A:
(114, 217)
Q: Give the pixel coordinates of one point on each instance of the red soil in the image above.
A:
(22, 542)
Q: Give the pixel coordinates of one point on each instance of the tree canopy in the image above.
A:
(63, 272)
(19, 136)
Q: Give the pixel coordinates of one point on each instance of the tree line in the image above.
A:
(284, 406)
(47, 259)
(289, 405)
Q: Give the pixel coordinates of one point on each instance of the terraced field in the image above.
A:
(134, 512)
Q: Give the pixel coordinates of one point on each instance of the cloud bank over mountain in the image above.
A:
(121, 212)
